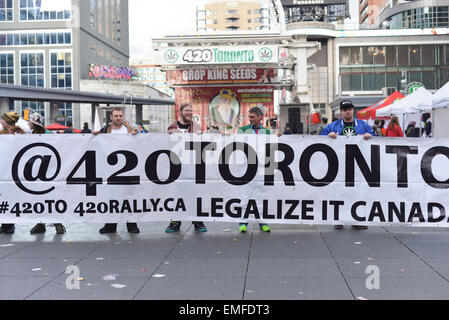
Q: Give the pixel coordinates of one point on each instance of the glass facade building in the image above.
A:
(39, 10)
(426, 17)
(372, 68)
(6, 10)
(42, 46)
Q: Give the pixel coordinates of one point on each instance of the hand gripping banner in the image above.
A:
(289, 180)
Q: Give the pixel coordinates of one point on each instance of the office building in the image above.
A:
(53, 43)
(233, 16)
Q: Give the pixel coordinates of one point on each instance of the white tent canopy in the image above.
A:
(441, 97)
(418, 101)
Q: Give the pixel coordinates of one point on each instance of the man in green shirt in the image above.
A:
(255, 127)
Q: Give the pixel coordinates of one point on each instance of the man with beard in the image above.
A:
(185, 124)
(118, 126)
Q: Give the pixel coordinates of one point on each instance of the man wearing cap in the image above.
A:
(348, 126)
(8, 122)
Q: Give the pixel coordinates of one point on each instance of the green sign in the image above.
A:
(413, 86)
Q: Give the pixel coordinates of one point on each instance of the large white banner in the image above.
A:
(290, 180)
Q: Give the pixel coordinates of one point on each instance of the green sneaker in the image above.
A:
(265, 228)
(243, 228)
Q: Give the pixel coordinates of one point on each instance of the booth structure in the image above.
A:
(370, 112)
(223, 76)
(440, 112)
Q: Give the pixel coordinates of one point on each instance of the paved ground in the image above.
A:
(291, 263)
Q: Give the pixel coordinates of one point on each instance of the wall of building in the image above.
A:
(82, 28)
(244, 16)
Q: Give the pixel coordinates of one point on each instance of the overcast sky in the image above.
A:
(157, 18)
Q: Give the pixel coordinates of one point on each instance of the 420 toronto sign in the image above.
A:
(220, 55)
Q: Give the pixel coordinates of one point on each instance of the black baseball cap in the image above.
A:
(346, 104)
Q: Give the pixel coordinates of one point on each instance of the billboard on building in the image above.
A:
(219, 55)
(225, 108)
(100, 72)
(221, 76)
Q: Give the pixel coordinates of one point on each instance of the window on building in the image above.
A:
(403, 56)
(32, 74)
(428, 55)
(34, 106)
(61, 70)
(356, 56)
(383, 66)
(391, 55)
(32, 69)
(93, 14)
(41, 10)
(415, 56)
(6, 10)
(344, 56)
(7, 68)
(35, 39)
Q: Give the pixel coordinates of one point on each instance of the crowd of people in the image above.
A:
(346, 125)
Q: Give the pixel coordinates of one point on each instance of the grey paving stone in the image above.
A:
(292, 262)
(9, 248)
(92, 288)
(293, 268)
(18, 288)
(24, 267)
(56, 250)
(204, 267)
(369, 248)
(132, 250)
(231, 250)
(441, 265)
(410, 288)
(123, 267)
(297, 288)
(193, 288)
(316, 250)
(429, 250)
(391, 267)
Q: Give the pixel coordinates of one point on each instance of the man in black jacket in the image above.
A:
(118, 126)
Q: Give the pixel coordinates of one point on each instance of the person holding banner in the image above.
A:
(36, 124)
(185, 124)
(255, 127)
(118, 126)
(8, 122)
(348, 126)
